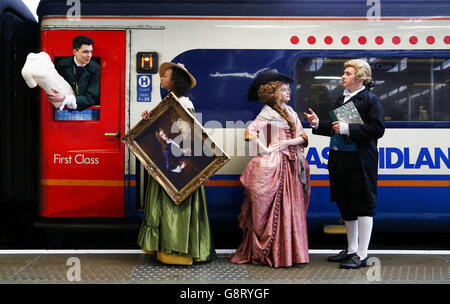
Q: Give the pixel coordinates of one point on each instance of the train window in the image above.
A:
(411, 89)
(91, 113)
(87, 114)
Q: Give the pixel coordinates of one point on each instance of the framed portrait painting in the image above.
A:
(175, 149)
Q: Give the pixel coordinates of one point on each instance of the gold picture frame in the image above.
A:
(175, 149)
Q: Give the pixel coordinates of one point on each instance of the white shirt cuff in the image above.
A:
(316, 126)
(343, 128)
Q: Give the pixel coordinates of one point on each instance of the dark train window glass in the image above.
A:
(411, 89)
(92, 113)
(86, 114)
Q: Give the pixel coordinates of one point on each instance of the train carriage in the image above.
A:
(86, 172)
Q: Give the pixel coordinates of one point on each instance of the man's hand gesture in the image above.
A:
(311, 117)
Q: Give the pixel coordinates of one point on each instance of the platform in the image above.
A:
(134, 267)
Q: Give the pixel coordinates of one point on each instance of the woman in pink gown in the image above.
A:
(276, 181)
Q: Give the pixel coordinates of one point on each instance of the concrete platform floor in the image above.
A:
(134, 267)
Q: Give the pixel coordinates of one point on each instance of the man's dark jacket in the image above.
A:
(88, 85)
(365, 136)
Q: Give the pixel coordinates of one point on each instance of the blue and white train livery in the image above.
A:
(226, 44)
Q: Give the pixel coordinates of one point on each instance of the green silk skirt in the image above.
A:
(176, 229)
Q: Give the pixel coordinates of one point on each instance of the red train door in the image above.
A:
(82, 156)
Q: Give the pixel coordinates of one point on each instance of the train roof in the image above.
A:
(18, 8)
(344, 8)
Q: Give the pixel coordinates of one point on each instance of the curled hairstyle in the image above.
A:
(270, 94)
(362, 68)
(181, 82)
(78, 41)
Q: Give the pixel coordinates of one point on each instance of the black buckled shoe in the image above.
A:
(354, 262)
(341, 256)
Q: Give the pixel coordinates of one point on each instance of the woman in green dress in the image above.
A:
(178, 234)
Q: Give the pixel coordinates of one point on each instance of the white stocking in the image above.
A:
(352, 236)
(365, 224)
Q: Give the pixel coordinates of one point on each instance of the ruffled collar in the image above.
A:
(186, 102)
(269, 114)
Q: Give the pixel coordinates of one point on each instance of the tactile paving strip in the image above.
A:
(317, 271)
(415, 268)
(220, 269)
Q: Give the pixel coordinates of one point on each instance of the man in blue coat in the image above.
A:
(353, 161)
(82, 74)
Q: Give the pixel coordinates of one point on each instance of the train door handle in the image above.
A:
(116, 134)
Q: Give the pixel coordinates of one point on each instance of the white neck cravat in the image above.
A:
(347, 94)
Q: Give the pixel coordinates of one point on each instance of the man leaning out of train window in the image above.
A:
(83, 75)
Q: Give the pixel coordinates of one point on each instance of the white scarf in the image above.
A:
(269, 114)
